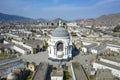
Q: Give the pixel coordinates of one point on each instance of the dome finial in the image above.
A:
(60, 23)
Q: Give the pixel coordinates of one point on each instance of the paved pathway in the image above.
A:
(37, 58)
(43, 57)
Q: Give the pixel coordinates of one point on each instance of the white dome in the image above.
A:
(60, 32)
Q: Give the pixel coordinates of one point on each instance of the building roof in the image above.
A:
(34, 43)
(60, 32)
(58, 72)
(100, 47)
(79, 72)
(41, 71)
(9, 60)
(113, 43)
(111, 59)
(1, 37)
(91, 45)
(6, 66)
(21, 47)
(108, 65)
(104, 74)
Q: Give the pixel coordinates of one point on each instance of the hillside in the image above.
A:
(11, 18)
(104, 20)
(111, 19)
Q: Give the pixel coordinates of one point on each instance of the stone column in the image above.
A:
(54, 51)
(65, 50)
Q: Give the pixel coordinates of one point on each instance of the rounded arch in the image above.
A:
(59, 46)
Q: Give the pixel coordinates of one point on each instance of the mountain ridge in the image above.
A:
(104, 20)
(12, 18)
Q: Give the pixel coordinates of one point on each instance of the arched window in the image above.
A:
(59, 46)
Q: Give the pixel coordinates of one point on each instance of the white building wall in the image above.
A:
(56, 78)
(88, 49)
(72, 24)
(113, 48)
(19, 50)
(5, 42)
(100, 66)
(86, 43)
(84, 49)
(94, 51)
(110, 62)
(24, 45)
(67, 50)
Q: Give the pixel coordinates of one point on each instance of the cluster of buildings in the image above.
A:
(100, 47)
(59, 47)
(45, 71)
(8, 65)
(21, 42)
(108, 63)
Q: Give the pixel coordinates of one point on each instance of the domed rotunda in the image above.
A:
(60, 45)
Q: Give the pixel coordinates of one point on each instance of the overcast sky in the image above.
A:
(66, 9)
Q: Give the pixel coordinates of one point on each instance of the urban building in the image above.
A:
(98, 49)
(6, 66)
(89, 47)
(57, 74)
(60, 45)
(110, 64)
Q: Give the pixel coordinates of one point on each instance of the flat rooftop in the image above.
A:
(107, 64)
(41, 72)
(21, 47)
(112, 59)
(57, 72)
(104, 75)
(113, 43)
(10, 64)
(9, 60)
(100, 47)
(34, 43)
(80, 74)
(91, 45)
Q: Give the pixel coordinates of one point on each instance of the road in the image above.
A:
(37, 58)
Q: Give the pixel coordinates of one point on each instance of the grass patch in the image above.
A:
(73, 34)
(29, 76)
(3, 55)
(91, 77)
(66, 75)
